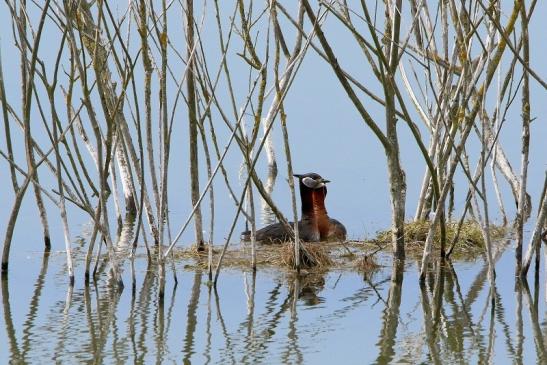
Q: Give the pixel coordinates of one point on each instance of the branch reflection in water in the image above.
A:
(390, 318)
(33, 305)
(277, 316)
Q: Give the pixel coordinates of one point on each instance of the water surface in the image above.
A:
(274, 316)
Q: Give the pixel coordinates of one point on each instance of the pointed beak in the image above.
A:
(324, 181)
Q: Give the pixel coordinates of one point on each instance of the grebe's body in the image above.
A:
(315, 224)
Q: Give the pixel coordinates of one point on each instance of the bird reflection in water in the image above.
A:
(306, 288)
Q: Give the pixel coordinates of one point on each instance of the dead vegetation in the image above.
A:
(312, 255)
(316, 257)
(363, 256)
(470, 239)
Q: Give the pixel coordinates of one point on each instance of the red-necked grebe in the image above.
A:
(315, 224)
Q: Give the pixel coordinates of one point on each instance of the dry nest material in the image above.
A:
(363, 256)
(317, 257)
(312, 255)
(470, 238)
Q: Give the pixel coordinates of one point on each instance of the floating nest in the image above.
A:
(362, 256)
(470, 238)
(314, 257)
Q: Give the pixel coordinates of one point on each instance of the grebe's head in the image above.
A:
(312, 180)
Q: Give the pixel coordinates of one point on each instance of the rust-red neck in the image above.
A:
(314, 211)
(313, 201)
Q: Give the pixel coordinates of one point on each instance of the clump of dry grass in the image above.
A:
(470, 235)
(312, 255)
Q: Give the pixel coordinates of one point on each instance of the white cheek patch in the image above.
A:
(309, 182)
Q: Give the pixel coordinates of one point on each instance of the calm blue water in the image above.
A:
(274, 317)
